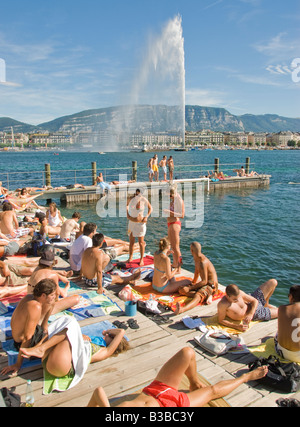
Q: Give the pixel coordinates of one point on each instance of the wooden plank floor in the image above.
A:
(151, 346)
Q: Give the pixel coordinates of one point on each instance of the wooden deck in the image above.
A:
(151, 346)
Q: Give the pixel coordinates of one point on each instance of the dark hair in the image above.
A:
(295, 293)
(76, 215)
(97, 239)
(45, 286)
(232, 290)
(7, 206)
(24, 190)
(89, 228)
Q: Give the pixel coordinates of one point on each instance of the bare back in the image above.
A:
(208, 271)
(289, 326)
(92, 259)
(40, 274)
(7, 221)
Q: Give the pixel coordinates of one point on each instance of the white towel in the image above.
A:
(81, 350)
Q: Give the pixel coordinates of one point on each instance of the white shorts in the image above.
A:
(138, 229)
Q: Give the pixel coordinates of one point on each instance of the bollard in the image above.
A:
(217, 165)
(247, 169)
(48, 174)
(134, 170)
(94, 173)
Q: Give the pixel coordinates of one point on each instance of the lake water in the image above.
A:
(249, 235)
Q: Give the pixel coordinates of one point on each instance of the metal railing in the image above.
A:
(86, 177)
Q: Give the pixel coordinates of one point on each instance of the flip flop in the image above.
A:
(132, 323)
(120, 325)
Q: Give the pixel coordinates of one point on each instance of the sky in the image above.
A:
(61, 57)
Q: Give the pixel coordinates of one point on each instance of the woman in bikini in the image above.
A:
(176, 212)
(163, 391)
(164, 278)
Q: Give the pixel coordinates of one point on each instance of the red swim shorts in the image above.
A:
(166, 396)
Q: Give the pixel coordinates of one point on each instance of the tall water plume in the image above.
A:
(158, 89)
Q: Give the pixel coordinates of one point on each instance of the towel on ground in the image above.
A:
(81, 356)
(267, 349)
(212, 323)
(171, 300)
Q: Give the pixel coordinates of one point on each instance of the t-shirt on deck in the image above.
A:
(77, 249)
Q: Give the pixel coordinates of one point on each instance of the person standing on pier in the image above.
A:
(163, 165)
(175, 213)
(137, 223)
(170, 164)
(155, 168)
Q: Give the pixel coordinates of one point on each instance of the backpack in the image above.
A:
(284, 377)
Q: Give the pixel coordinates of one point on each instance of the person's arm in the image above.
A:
(15, 221)
(108, 351)
(150, 209)
(253, 303)
(99, 274)
(222, 311)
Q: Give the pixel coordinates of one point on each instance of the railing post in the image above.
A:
(134, 170)
(247, 169)
(48, 174)
(94, 173)
(217, 165)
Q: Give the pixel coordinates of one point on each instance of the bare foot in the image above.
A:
(209, 300)
(257, 373)
(135, 277)
(37, 351)
(178, 310)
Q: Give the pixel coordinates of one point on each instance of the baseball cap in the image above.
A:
(47, 255)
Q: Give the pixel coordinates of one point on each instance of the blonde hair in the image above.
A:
(163, 244)
(122, 347)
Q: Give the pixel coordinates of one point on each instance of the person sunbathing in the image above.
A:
(56, 352)
(93, 263)
(236, 305)
(200, 291)
(163, 391)
(164, 278)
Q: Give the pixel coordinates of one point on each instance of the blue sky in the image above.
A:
(65, 56)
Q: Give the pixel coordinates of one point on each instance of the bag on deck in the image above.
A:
(284, 377)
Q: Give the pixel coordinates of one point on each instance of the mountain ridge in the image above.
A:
(158, 118)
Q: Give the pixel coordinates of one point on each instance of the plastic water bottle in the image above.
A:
(29, 395)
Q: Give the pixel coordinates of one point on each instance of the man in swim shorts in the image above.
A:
(93, 263)
(137, 225)
(239, 306)
(287, 342)
(29, 322)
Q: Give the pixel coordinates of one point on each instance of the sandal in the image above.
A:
(120, 325)
(132, 323)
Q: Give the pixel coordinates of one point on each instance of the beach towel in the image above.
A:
(81, 356)
(171, 300)
(148, 260)
(91, 304)
(12, 353)
(267, 349)
(212, 323)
